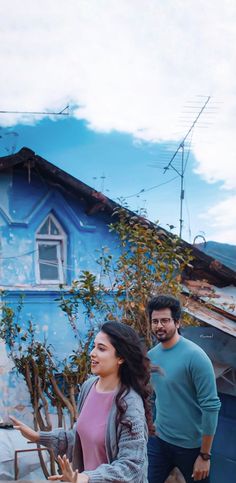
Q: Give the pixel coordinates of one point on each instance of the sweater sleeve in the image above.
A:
(205, 385)
(132, 454)
(59, 440)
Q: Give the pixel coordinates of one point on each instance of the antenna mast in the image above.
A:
(183, 166)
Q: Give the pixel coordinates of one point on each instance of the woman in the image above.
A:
(109, 444)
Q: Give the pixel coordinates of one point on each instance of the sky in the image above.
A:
(135, 74)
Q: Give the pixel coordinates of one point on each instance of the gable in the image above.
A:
(28, 201)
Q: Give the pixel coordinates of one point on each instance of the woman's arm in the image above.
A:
(25, 430)
(59, 440)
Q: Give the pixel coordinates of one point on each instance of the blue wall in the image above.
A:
(24, 204)
(26, 199)
(42, 309)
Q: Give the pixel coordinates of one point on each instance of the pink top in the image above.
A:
(91, 427)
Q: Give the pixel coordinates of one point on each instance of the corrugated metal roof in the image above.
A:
(204, 314)
(223, 299)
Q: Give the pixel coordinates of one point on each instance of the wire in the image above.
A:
(188, 153)
(19, 256)
(149, 189)
(44, 262)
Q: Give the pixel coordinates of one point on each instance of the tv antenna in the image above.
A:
(181, 171)
(63, 112)
(102, 179)
(11, 150)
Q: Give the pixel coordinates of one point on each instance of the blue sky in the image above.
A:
(121, 168)
(135, 75)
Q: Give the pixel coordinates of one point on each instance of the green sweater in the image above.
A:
(187, 404)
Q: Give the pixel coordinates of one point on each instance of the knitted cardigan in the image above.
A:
(126, 450)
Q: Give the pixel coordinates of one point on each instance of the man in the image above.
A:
(187, 404)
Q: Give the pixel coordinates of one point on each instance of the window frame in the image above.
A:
(60, 241)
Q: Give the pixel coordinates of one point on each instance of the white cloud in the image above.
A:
(129, 66)
(221, 220)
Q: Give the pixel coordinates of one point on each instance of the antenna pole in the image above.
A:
(181, 192)
(181, 173)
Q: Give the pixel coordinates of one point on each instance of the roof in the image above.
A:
(207, 280)
(215, 306)
(209, 314)
(28, 158)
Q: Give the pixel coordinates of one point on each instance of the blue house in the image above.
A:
(51, 226)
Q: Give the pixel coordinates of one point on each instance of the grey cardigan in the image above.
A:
(126, 451)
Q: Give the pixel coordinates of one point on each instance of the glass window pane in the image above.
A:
(48, 252)
(48, 262)
(44, 230)
(48, 272)
(53, 229)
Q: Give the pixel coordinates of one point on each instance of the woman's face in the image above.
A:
(104, 361)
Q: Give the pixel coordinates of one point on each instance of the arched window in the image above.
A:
(51, 252)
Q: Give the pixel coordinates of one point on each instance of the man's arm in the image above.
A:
(204, 379)
(206, 444)
(201, 466)
(206, 393)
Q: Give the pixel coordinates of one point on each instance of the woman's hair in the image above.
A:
(134, 371)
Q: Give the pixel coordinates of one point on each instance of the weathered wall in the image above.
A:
(24, 204)
(26, 199)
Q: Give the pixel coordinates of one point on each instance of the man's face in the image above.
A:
(162, 325)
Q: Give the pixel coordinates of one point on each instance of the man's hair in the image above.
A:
(159, 302)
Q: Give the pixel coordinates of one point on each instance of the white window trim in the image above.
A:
(60, 241)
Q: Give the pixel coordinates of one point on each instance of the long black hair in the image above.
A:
(134, 371)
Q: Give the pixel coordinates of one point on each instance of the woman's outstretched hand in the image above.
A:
(25, 430)
(68, 474)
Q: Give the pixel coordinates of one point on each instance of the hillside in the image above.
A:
(223, 252)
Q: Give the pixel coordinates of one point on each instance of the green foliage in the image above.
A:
(151, 261)
(85, 303)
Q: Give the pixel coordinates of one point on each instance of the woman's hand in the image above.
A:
(68, 474)
(25, 430)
